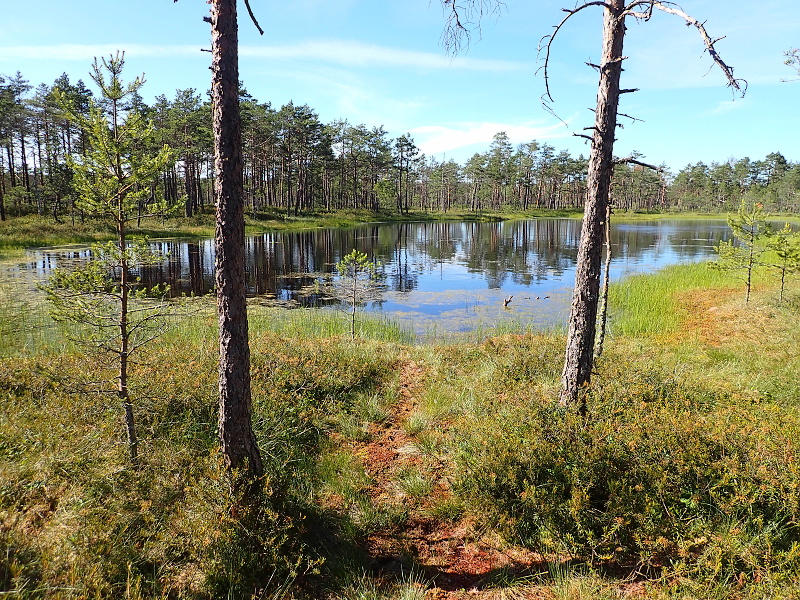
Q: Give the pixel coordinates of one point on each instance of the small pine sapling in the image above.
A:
(785, 246)
(359, 282)
(742, 254)
(114, 181)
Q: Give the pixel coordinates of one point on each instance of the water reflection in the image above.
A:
(448, 275)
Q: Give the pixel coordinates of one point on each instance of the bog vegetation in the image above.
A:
(395, 469)
(392, 469)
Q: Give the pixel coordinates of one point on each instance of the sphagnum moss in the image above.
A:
(685, 464)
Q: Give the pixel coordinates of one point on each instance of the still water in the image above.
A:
(436, 276)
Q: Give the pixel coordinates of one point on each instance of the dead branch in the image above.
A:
(249, 11)
(644, 16)
(793, 61)
(253, 17)
(456, 35)
(673, 9)
(630, 160)
(546, 44)
(629, 117)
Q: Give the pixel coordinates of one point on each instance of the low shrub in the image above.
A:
(658, 473)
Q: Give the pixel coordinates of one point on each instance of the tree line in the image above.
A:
(295, 163)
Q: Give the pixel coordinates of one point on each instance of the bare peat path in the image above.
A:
(453, 557)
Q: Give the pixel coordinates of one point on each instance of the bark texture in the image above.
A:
(578, 361)
(238, 441)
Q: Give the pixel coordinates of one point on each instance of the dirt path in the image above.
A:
(457, 560)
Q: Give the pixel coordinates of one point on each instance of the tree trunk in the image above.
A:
(124, 343)
(583, 315)
(601, 336)
(239, 445)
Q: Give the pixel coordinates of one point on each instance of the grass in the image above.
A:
(685, 470)
(648, 304)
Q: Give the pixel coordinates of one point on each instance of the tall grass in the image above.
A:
(306, 323)
(26, 328)
(685, 466)
(648, 304)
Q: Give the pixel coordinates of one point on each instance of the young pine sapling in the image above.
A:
(358, 283)
(114, 314)
(742, 254)
(785, 246)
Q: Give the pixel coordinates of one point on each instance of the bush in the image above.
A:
(658, 473)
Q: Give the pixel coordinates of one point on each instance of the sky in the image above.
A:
(382, 63)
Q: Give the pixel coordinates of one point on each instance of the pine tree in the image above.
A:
(113, 179)
(741, 255)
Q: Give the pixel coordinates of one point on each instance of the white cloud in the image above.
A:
(436, 139)
(84, 52)
(357, 54)
(729, 106)
(341, 52)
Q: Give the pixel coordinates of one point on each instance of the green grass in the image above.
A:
(685, 467)
(647, 304)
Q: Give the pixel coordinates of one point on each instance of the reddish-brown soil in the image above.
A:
(454, 556)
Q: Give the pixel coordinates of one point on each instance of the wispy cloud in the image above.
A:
(730, 106)
(357, 54)
(340, 52)
(84, 52)
(436, 139)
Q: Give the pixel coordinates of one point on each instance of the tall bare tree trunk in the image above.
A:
(601, 335)
(578, 361)
(239, 444)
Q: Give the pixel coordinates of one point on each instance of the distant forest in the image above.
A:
(297, 164)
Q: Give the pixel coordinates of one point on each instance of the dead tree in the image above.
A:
(578, 362)
(460, 15)
(603, 319)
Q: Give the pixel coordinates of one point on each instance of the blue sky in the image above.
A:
(381, 62)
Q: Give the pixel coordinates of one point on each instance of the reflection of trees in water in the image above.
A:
(296, 267)
(401, 270)
(690, 239)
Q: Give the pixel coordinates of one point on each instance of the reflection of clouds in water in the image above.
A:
(424, 312)
(450, 276)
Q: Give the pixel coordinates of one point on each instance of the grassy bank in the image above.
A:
(37, 231)
(403, 470)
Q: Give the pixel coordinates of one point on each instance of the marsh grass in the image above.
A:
(413, 482)
(412, 586)
(642, 305)
(686, 465)
(327, 323)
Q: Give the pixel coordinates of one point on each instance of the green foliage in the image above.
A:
(785, 245)
(649, 304)
(92, 295)
(749, 226)
(114, 181)
(113, 178)
(358, 283)
(685, 467)
(660, 473)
